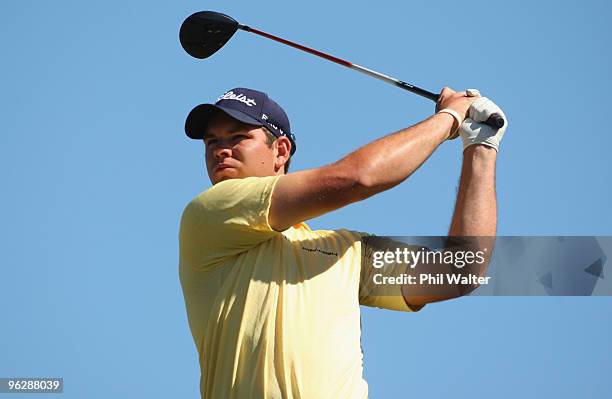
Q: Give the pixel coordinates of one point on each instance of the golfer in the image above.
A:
(273, 306)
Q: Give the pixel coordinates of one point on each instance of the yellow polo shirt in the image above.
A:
(273, 315)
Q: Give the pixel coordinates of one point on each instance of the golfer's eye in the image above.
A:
(240, 137)
(209, 142)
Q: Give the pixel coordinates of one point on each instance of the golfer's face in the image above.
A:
(235, 150)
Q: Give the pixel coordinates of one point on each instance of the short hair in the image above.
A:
(270, 139)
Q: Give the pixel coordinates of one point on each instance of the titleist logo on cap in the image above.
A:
(238, 97)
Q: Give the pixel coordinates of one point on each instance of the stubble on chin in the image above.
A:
(225, 174)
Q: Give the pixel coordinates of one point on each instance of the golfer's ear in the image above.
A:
(283, 146)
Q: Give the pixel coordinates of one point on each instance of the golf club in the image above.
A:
(203, 33)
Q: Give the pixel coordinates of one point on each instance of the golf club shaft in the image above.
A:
(367, 71)
(495, 120)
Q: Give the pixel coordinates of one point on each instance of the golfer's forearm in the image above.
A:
(472, 228)
(389, 160)
(476, 208)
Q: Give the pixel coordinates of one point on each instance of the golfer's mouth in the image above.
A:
(220, 166)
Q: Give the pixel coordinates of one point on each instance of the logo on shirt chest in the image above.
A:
(319, 250)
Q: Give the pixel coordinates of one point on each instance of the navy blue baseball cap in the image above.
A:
(246, 105)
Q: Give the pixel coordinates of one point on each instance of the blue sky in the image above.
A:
(96, 171)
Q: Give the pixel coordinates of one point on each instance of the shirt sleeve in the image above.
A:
(371, 291)
(227, 219)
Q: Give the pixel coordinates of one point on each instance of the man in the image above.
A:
(273, 306)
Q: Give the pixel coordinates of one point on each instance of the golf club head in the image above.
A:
(203, 33)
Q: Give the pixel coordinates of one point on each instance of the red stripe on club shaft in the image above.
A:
(299, 46)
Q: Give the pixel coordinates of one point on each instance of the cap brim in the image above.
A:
(200, 116)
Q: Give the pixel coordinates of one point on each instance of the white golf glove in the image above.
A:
(473, 131)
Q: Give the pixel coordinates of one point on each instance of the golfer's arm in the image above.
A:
(371, 169)
(472, 228)
(476, 206)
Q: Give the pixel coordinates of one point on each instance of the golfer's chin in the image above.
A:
(220, 175)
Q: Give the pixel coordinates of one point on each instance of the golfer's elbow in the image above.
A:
(473, 276)
(363, 180)
(345, 181)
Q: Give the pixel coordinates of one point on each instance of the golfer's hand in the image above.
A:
(457, 101)
(457, 104)
(474, 131)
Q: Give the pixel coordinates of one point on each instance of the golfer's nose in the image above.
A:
(222, 151)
